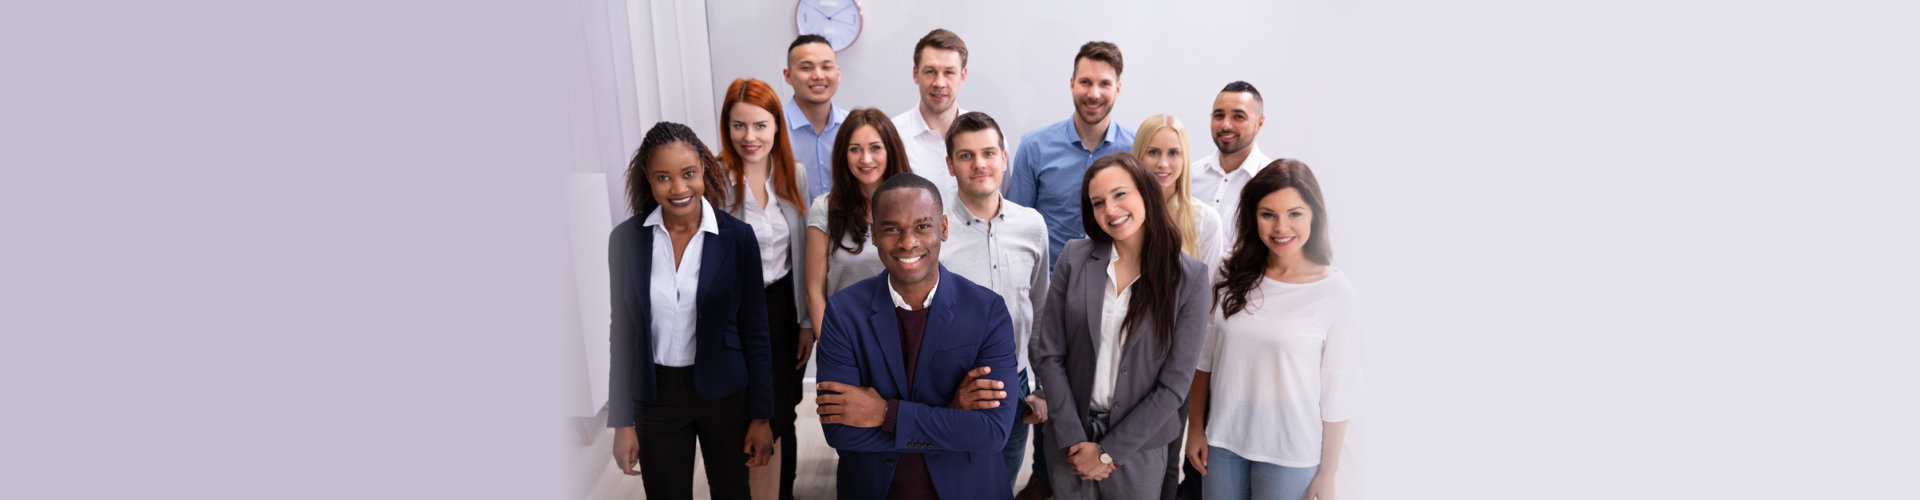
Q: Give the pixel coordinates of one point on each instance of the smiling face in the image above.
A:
(676, 177)
(866, 156)
(1117, 206)
(751, 128)
(977, 161)
(813, 72)
(1285, 223)
(1096, 86)
(1164, 157)
(1237, 118)
(939, 76)
(907, 229)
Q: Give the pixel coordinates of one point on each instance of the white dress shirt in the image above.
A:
(1113, 312)
(901, 302)
(1213, 184)
(672, 288)
(1281, 367)
(770, 227)
(926, 149)
(1210, 230)
(1006, 254)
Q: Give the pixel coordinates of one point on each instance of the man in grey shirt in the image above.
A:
(1000, 245)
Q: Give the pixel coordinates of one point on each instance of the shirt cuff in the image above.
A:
(893, 415)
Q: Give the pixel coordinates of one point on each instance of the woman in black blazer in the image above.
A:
(691, 359)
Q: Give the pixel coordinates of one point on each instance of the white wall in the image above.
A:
(1021, 54)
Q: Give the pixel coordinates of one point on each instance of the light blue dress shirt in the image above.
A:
(813, 149)
(1046, 176)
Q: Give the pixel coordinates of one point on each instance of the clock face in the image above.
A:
(837, 20)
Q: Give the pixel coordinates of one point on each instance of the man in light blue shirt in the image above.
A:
(812, 119)
(1051, 160)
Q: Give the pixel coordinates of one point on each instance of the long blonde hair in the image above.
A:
(1180, 201)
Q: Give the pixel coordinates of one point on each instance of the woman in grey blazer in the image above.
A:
(1117, 341)
(764, 188)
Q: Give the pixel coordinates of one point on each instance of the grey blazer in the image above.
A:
(796, 238)
(1152, 385)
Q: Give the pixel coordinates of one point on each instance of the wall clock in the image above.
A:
(839, 21)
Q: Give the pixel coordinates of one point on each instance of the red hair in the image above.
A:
(781, 166)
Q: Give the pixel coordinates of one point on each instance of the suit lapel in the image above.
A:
(885, 328)
(712, 263)
(939, 315)
(640, 263)
(1096, 289)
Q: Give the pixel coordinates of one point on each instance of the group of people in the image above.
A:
(1136, 311)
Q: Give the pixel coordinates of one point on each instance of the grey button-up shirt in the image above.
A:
(1008, 256)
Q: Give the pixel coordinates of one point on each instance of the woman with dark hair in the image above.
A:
(690, 361)
(1116, 343)
(1282, 364)
(763, 188)
(866, 152)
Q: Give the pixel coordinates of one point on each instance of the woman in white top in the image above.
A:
(759, 163)
(866, 152)
(1282, 364)
(1116, 343)
(1162, 147)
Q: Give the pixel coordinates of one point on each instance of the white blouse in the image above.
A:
(1113, 312)
(1281, 367)
(672, 288)
(770, 227)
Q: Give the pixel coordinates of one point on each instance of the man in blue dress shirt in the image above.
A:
(1048, 166)
(1047, 170)
(812, 119)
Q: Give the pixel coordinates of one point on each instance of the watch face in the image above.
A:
(836, 20)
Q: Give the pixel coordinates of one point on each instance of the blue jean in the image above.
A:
(1230, 476)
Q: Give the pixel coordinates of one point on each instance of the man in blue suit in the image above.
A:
(894, 349)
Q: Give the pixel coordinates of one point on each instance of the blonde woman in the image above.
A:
(1162, 147)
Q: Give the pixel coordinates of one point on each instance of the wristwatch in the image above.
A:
(1104, 457)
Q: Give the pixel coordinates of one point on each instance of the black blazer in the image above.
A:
(731, 348)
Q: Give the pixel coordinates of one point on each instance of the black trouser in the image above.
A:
(671, 424)
(783, 328)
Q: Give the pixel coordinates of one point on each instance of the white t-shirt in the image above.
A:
(1209, 228)
(1281, 367)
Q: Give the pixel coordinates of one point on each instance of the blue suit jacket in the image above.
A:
(731, 348)
(967, 326)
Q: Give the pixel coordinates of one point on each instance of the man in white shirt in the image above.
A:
(1238, 115)
(1001, 245)
(939, 69)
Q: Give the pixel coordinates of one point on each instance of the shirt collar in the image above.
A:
(958, 210)
(708, 222)
(797, 118)
(917, 122)
(900, 302)
(1073, 134)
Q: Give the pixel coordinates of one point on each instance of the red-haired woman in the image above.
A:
(763, 188)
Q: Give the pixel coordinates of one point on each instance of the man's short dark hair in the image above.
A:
(904, 180)
(973, 121)
(941, 39)
(1242, 86)
(1105, 52)
(806, 39)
